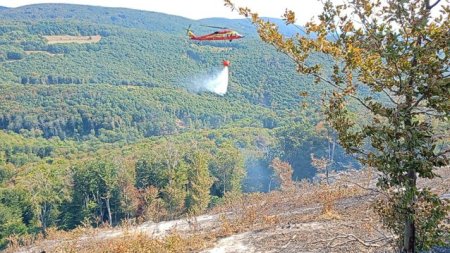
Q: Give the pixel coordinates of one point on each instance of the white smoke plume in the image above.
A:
(217, 83)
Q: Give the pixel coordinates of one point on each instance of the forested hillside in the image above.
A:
(98, 131)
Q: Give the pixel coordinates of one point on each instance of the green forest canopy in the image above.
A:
(119, 115)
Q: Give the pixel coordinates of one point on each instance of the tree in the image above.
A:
(228, 168)
(47, 185)
(174, 192)
(324, 163)
(321, 164)
(95, 186)
(296, 142)
(199, 183)
(15, 214)
(391, 58)
(149, 173)
(284, 172)
(14, 56)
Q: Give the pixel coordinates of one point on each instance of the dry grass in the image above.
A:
(312, 217)
(138, 243)
(54, 236)
(55, 39)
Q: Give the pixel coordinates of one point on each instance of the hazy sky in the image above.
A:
(197, 9)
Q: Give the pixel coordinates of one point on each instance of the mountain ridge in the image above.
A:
(38, 12)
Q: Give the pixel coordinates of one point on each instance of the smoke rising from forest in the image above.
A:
(216, 83)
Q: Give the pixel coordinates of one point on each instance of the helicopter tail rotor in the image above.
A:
(189, 32)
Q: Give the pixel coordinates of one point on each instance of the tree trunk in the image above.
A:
(410, 236)
(108, 208)
(43, 218)
(409, 240)
(224, 182)
(329, 160)
(100, 206)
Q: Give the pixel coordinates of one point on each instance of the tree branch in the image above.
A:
(362, 187)
(417, 102)
(228, 3)
(323, 79)
(353, 238)
(429, 7)
(341, 89)
(390, 98)
(443, 152)
(375, 82)
(427, 111)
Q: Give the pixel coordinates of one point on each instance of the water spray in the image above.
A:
(218, 83)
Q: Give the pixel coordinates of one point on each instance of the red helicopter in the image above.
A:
(223, 34)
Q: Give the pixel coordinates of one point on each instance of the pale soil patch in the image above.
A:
(162, 229)
(40, 52)
(234, 243)
(55, 39)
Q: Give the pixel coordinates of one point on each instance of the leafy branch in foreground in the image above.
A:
(399, 52)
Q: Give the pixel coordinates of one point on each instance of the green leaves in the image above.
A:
(402, 59)
(16, 216)
(199, 183)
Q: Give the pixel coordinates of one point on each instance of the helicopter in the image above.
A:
(222, 34)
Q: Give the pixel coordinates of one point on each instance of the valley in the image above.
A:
(119, 132)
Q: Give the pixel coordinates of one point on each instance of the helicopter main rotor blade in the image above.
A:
(218, 27)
